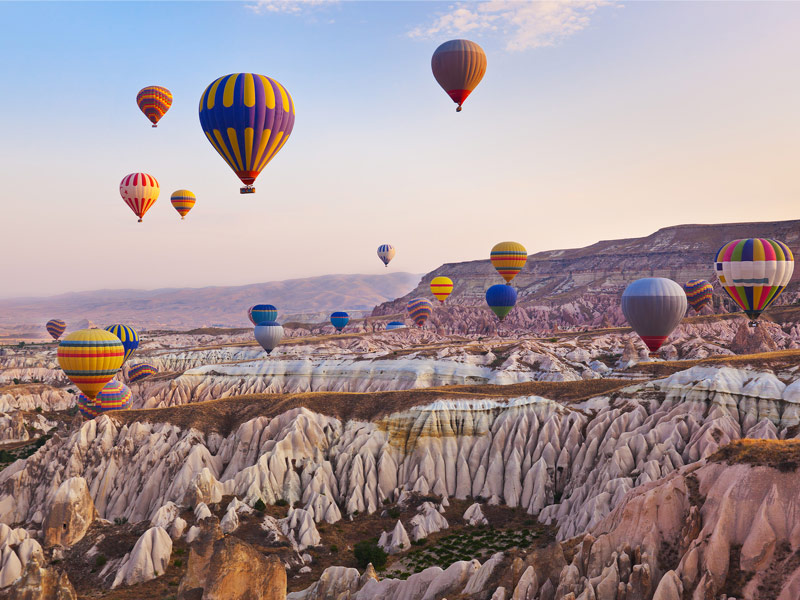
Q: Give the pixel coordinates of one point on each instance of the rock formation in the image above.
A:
(70, 515)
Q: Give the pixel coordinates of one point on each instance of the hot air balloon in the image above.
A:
(754, 272)
(262, 313)
(699, 293)
(441, 288)
(128, 336)
(114, 396)
(458, 66)
(90, 358)
(508, 258)
(386, 253)
(654, 306)
(140, 192)
(247, 118)
(55, 327)
(183, 201)
(501, 299)
(141, 371)
(392, 325)
(340, 320)
(269, 334)
(154, 101)
(419, 309)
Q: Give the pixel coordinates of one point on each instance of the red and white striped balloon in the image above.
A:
(140, 191)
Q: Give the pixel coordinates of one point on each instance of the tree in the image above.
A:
(367, 552)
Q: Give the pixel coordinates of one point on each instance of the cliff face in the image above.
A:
(581, 286)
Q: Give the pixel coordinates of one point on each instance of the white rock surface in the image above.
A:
(147, 560)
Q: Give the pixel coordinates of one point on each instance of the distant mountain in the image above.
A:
(186, 308)
(582, 286)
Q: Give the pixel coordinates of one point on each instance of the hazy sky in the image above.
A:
(594, 121)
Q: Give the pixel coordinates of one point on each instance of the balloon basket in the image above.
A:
(248, 189)
(154, 125)
(653, 354)
(753, 324)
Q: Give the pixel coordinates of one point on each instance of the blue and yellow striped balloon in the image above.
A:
(699, 292)
(419, 309)
(183, 201)
(247, 118)
(114, 396)
(141, 371)
(90, 358)
(340, 320)
(55, 327)
(128, 337)
(262, 313)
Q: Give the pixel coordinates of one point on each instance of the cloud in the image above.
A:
(524, 24)
(291, 7)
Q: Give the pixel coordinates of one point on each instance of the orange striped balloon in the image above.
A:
(441, 287)
(139, 191)
(154, 101)
(90, 358)
(183, 201)
(508, 258)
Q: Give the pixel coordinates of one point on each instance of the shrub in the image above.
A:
(179, 551)
(387, 501)
(39, 409)
(334, 549)
(259, 505)
(178, 562)
(100, 560)
(367, 552)
(120, 520)
(394, 513)
(281, 502)
(16, 381)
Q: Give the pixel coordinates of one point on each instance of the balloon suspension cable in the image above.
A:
(459, 108)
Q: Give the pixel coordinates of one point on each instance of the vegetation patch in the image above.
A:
(783, 455)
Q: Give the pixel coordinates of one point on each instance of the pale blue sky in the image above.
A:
(594, 121)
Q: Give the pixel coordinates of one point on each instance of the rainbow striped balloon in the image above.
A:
(128, 336)
(183, 201)
(55, 327)
(754, 272)
(699, 293)
(247, 118)
(139, 191)
(508, 258)
(419, 309)
(114, 396)
(441, 287)
(90, 358)
(154, 101)
(141, 371)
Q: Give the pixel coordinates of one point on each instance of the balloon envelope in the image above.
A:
(141, 371)
(55, 327)
(501, 299)
(90, 358)
(128, 336)
(263, 313)
(419, 309)
(508, 258)
(154, 101)
(114, 396)
(699, 293)
(182, 201)
(269, 335)
(441, 287)
(340, 320)
(653, 307)
(386, 253)
(754, 272)
(395, 325)
(247, 118)
(139, 191)
(458, 66)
